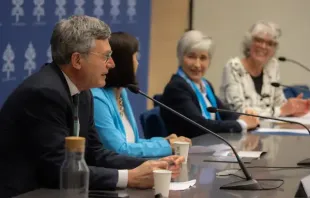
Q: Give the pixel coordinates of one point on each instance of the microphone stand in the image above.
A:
(248, 184)
(283, 59)
(275, 84)
(305, 162)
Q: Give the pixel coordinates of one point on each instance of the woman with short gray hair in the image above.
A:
(189, 93)
(246, 82)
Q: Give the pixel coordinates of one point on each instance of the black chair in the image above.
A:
(157, 97)
(295, 90)
(152, 124)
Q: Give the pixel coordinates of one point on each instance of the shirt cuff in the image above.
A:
(122, 179)
(243, 125)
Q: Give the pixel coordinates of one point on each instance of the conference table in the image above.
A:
(281, 151)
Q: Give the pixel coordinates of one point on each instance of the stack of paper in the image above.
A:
(303, 119)
(242, 154)
(281, 131)
(182, 185)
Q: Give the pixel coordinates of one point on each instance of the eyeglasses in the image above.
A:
(104, 57)
(269, 43)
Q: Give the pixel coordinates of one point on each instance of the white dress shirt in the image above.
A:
(122, 174)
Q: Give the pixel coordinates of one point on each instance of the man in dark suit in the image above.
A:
(39, 114)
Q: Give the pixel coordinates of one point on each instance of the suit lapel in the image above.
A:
(85, 110)
(84, 113)
(63, 88)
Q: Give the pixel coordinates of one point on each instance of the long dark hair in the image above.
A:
(123, 46)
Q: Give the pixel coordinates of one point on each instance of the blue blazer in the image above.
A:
(112, 132)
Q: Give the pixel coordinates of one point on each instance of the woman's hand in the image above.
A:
(251, 121)
(172, 136)
(295, 107)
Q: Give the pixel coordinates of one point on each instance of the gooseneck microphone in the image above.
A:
(276, 84)
(248, 184)
(305, 162)
(284, 59)
(214, 110)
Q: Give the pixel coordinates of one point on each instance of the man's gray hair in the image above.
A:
(76, 34)
(260, 27)
(194, 40)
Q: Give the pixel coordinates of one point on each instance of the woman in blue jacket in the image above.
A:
(113, 115)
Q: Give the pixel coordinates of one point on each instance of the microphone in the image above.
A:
(305, 162)
(248, 184)
(276, 84)
(283, 59)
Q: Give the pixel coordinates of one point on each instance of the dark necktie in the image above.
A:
(76, 123)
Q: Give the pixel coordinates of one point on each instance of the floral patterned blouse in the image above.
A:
(238, 89)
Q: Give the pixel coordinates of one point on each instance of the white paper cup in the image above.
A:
(181, 148)
(162, 180)
(183, 177)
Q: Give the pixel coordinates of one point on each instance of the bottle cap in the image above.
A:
(75, 144)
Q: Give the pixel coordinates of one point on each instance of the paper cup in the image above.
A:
(181, 148)
(183, 177)
(162, 180)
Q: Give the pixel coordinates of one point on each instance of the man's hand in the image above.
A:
(142, 176)
(175, 163)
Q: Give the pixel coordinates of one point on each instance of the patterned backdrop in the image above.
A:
(26, 26)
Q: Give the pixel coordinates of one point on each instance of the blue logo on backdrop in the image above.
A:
(26, 27)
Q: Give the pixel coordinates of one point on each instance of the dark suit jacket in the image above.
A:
(34, 122)
(179, 95)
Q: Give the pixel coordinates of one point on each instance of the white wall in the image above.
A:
(227, 21)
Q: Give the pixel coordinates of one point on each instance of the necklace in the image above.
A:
(121, 106)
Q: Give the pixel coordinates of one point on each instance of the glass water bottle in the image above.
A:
(74, 172)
